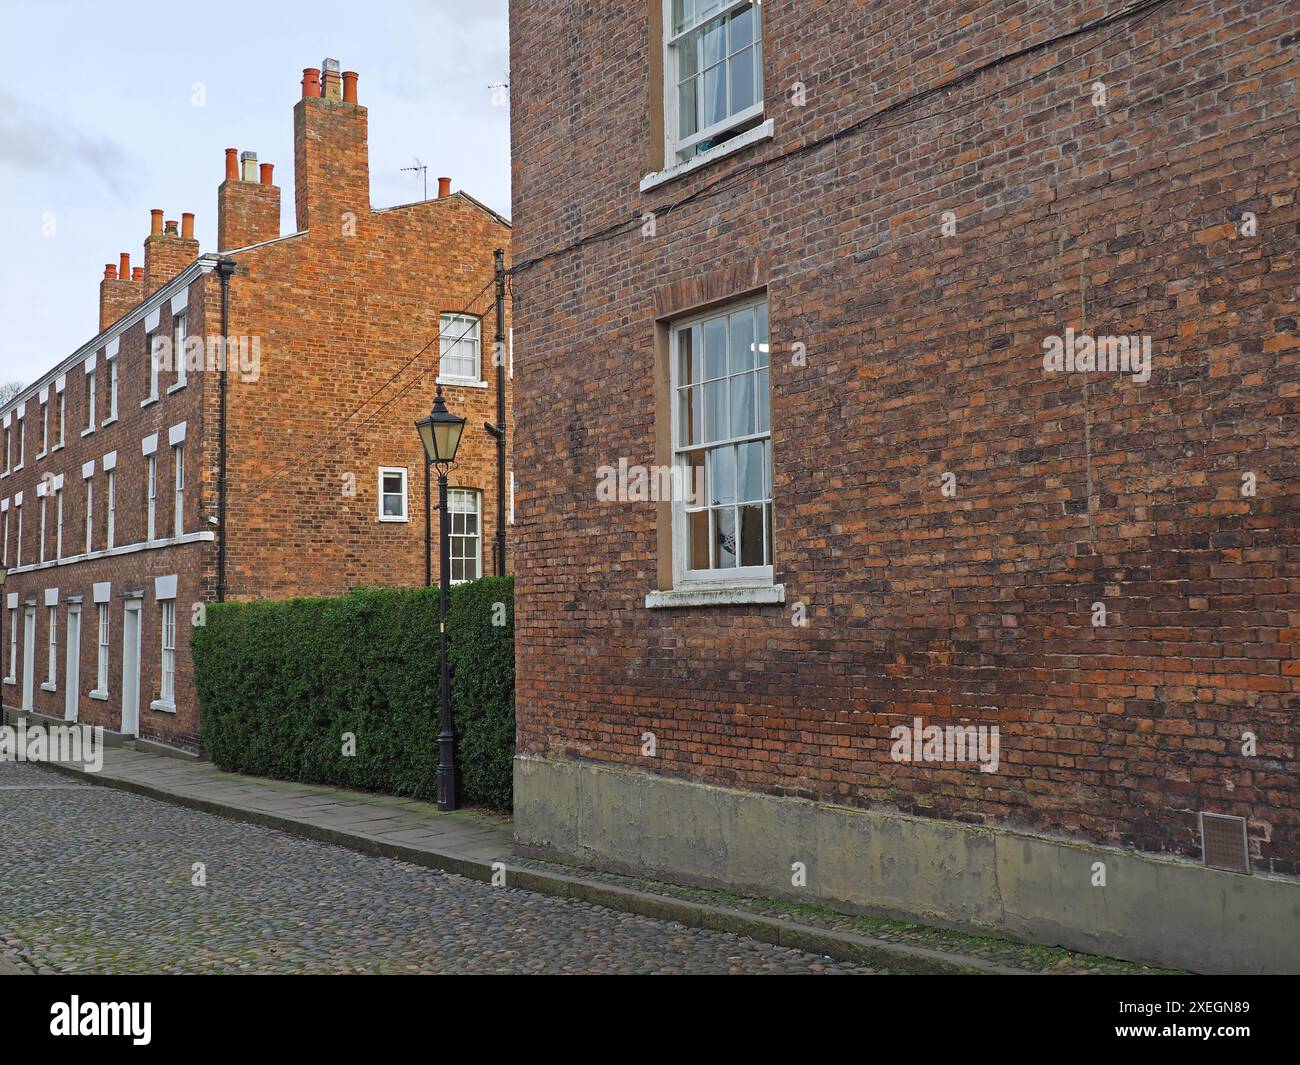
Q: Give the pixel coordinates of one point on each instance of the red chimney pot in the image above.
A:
(265, 169)
(187, 225)
(349, 86)
(169, 228)
(156, 222)
(137, 274)
(444, 187)
(232, 164)
(310, 82)
(110, 272)
(124, 266)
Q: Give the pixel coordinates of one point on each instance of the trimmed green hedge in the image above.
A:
(280, 684)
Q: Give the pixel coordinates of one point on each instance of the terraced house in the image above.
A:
(242, 426)
(978, 322)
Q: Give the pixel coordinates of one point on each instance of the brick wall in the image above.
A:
(925, 357)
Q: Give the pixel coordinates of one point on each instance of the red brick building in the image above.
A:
(979, 324)
(111, 488)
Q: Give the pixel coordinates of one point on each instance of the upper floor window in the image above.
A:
(63, 410)
(22, 449)
(90, 403)
(153, 345)
(460, 348)
(178, 348)
(45, 427)
(112, 390)
(713, 73)
(722, 514)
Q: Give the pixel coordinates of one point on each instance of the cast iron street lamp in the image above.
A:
(440, 433)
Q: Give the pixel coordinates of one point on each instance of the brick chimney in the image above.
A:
(118, 293)
(166, 251)
(248, 204)
(331, 165)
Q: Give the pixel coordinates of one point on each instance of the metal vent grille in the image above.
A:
(1223, 843)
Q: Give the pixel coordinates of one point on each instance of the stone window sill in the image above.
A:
(46, 686)
(459, 382)
(762, 132)
(753, 595)
(166, 708)
(102, 696)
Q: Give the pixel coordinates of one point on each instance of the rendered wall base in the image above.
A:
(1156, 910)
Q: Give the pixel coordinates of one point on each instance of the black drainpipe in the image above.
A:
(225, 268)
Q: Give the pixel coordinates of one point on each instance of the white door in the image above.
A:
(73, 655)
(131, 670)
(29, 657)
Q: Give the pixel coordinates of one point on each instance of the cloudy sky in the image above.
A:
(110, 109)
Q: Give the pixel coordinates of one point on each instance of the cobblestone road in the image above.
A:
(94, 880)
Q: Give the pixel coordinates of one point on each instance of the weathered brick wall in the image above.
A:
(129, 572)
(347, 311)
(925, 357)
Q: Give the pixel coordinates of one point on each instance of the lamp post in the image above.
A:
(440, 434)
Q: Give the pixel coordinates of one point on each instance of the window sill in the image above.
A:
(392, 519)
(102, 696)
(166, 708)
(108, 421)
(147, 400)
(87, 432)
(46, 686)
(762, 132)
(57, 447)
(40, 455)
(753, 595)
(11, 680)
(459, 382)
(176, 387)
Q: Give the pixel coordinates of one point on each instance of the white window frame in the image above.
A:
(5, 552)
(737, 576)
(8, 447)
(406, 493)
(50, 683)
(12, 675)
(451, 329)
(674, 144)
(63, 419)
(477, 558)
(167, 663)
(18, 543)
(178, 463)
(45, 429)
(90, 403)
(110, 489)
(101, 663)
(40, 551)
(22, 441)
(90, 514)
(151, 497)
(58, 523)
(111, 361)
(149, 341)
(179, 333)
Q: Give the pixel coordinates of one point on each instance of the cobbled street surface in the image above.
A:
(95, 880)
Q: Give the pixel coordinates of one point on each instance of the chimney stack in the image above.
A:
(330, 154)
(248, 204)
(166, 252)
(118, 293)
